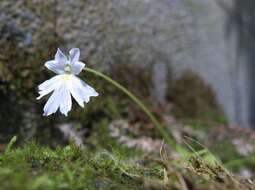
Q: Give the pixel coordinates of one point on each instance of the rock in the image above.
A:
(198, 35)
(183, 34)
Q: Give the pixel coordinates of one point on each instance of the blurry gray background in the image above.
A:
(213, 38)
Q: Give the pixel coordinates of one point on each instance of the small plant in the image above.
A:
(65, 83)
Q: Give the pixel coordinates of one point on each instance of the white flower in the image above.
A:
(65, 84)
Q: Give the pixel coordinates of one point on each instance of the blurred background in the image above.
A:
(190, 61)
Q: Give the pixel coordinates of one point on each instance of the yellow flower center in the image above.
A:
(66, 77)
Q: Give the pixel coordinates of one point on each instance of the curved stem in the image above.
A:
(159, 127)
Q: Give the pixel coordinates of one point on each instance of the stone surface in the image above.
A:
(200, 35)
(186, 34)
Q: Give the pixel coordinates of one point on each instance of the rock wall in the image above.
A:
(183, 34)
(198, 35)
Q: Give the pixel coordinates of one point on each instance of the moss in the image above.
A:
(35, 167)
(126, 73)
(225, 150)
(233, 160)
(193, 99)
(215, 176)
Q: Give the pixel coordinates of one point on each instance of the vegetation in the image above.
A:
(105, 164)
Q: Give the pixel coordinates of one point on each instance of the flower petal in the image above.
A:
(74, 55)
(76, 94)
(55, 66)
(88, 91)
(53, 103)
(46, 84)
(77, 67)
(81, 91)
(48, 90)
(60, 57)
(66, 100)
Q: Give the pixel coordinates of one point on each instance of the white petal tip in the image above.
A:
(94, 94)
(65, 113)
(74, 49)
(81, 104)
(47, 114)
(39, 97)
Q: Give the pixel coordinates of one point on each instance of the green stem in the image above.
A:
(240, 161)
(159, 127)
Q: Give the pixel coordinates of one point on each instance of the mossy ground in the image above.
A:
(106, 164)
(35, 167)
